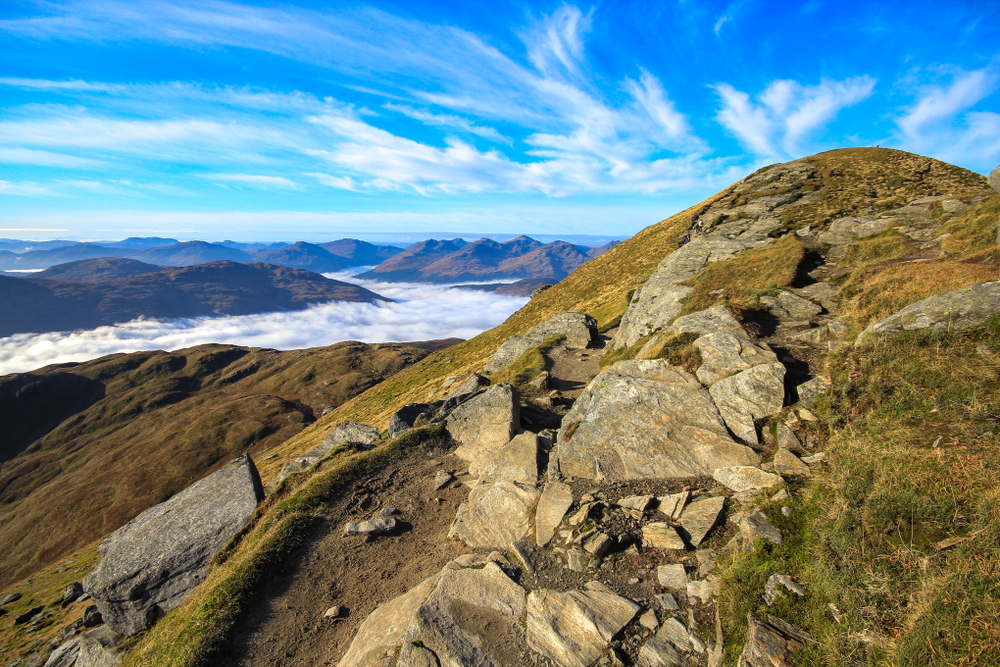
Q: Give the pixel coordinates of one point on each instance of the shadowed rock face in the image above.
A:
(958, 309)
(150, 564)
(644, 419)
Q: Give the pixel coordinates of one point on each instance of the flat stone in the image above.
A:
(746, 478)
(349, 432)
(484, 424)
(787, 463)
(823, 293)
(948, 311)
(517, 461)
(644, 419)
(751, 394)
(576, 560)
(725, 354)
(673, 505)
(658, 651)
(710, 321)
(495, 515)
(677, 634)
(149, 565)
(597, 544)
(640, 503)
(435, 616)
(555, 500)
(378, 526)
(700, 517)
(667, 601)
(574, 628)
(815, 459)
(755, 526)
(576, 329)
(649, 621)
(766, 646)
(661, 535)
(672, 576)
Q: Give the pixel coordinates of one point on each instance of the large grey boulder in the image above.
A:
(404, 418)
(574, 628)
(751, 394)
(484, 424)
(149, 565)
(948, 311)
(725, 354)
(994, 179)
(495, 515)
(655, 305)
(711, 320)
(576, 329)
(643, 419)
(451, 618)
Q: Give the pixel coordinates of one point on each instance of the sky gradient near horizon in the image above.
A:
(311, 121)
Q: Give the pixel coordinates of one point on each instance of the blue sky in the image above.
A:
(268, 121)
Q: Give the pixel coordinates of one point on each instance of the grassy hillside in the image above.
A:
(88, 446)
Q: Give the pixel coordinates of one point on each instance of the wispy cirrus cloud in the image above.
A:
(786, 113)
(257, 180)
(25, 189)
(450, 121)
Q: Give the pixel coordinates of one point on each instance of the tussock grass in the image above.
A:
(188, 636)
(675, 348)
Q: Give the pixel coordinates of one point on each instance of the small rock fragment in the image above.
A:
(771, 592)
(332, 612)
(648, 620)
(598, 543)
(442, 479)
(28, 615)
(673, 505)
(787, 439)
(661, 535)
(377, 526)
(787, 463)
(575, 560)
(746, 478)
(755, 526)
(640, 503)
(703, 590)
(672, 576)
(700, 517)
(667, 601)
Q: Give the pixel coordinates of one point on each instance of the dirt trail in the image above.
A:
(571, 369)
(285, 625)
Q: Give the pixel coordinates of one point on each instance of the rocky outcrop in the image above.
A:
(789, 307)
(461, 616)
(845, 230)
(470, 385)
(994, 179)
(947, 311)
(149, 565)
(98, 648)
(484, 424)
(577, 330)
(495, 515)
(709, 321)
(517, 461)
(342, 434)
(644, 419)
(575, 627)
(65, 654)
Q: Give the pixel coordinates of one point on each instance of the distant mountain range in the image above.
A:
(38, 305)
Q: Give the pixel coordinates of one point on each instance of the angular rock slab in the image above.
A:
(495, 515)
(994, 179)
(470, 385)
(749, 395)
(484, 424)
(948, 311)
(659, 651)
(555, 500)
(348, 432)
(700, 517)
(646, 419)
(788, 306)
(786, 463)
(660, 535)
(766, 646)
(440, 615)
(755, 526)
(574, 628)
(726, 354)
(517, 461)
(149, 565)
(576, 329)
(98, 648)
(746, 478)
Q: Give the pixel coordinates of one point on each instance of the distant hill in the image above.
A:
(43, 259)
(218, 288)
(143, 242)
(407, 265)
(85, 447)
(8, 260)
(304, 255)
(486, 259)
(361, 253)
(95, 270)
(191, 253)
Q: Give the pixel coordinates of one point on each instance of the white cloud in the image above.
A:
(942, 123)
(254, 179)
(448, 120)
(23, 189)
(47, 159)
(787, 112)
(339, 182)
(422, 312)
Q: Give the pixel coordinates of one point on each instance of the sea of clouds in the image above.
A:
(420, 312)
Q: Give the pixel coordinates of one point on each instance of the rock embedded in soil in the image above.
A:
(810, 390)
(703, 590)
(751, 394)
(72, 592)
(442, 478)
(659, 535)
(771, 591)
(790, 307)
(98, 648)
(948, 311)
(577, 330)
(377, 526)
(667, 601)
(470, 385)
(353, 433)
(574, 628)
(26, 616)
(65, 655)
(766, 646)
(495, 515)
(787, 463)
(755, 526)
(673, 576)
(700, 517)
(673, 505)
(643, 419)
(149, 565)
(713, 320)
(10, 597)
(786, 438)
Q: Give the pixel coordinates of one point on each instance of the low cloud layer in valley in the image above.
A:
(421, 312)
